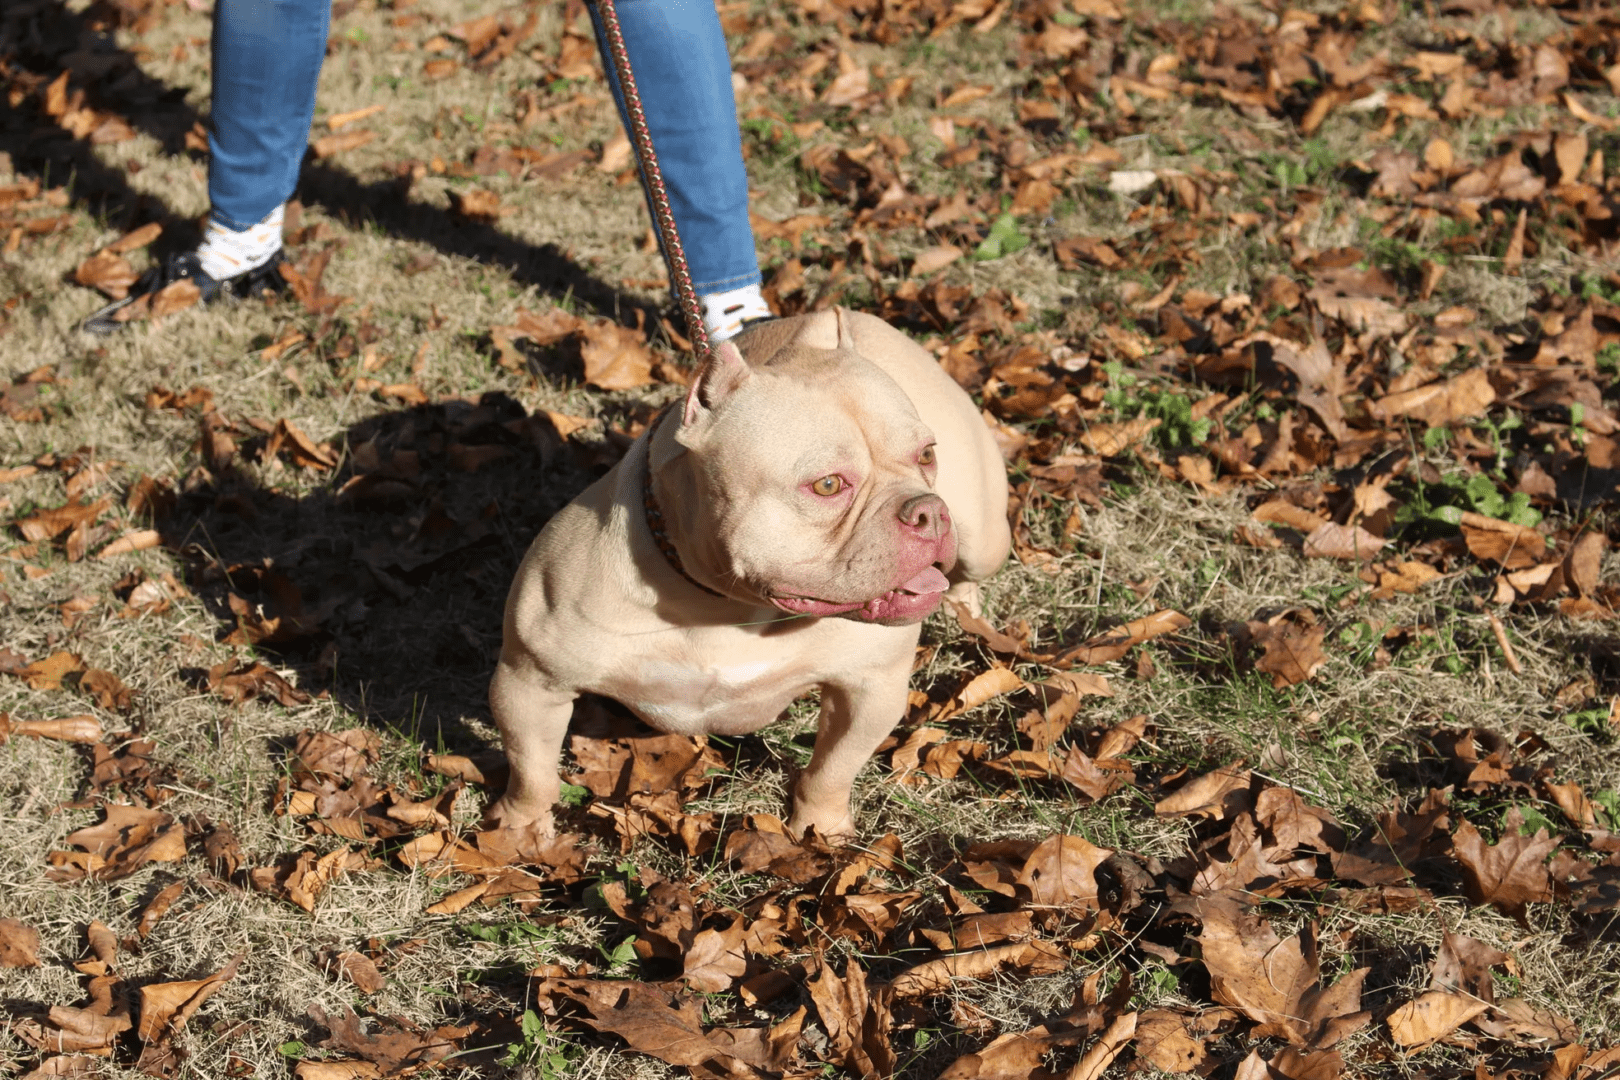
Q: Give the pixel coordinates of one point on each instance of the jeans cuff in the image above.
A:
(703, 288)
(225, 220)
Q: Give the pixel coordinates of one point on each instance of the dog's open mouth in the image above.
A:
(906, 603)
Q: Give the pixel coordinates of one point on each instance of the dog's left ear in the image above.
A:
(716, 380)
(846, 336)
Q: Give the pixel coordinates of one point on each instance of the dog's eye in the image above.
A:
(927, 455)
(828, 486)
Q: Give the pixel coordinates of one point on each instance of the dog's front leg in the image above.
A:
(533, 718)
(854, 720)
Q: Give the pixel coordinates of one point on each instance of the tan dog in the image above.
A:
(837, 471)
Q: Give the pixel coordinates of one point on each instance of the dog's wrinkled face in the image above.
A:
(816, 479)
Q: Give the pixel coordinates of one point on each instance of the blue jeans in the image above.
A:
(267, 59)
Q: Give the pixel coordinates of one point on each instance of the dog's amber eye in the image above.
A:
(828, 486)
(927, 455)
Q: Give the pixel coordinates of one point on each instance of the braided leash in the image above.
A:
(657, 195)
(674, 254)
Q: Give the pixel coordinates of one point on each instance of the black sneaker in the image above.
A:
(261, 279)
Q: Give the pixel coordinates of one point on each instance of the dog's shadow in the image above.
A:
(385, 585)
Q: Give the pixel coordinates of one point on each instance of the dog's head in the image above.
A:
(809, 479)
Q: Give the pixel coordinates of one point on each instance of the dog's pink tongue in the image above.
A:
(929, 580)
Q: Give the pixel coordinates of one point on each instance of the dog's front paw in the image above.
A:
(510, 813)
(835, 829)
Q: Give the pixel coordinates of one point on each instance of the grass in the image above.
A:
(412, 648)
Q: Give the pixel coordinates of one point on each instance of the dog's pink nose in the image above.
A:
(925, 516)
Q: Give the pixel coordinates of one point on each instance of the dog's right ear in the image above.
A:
(716, 380)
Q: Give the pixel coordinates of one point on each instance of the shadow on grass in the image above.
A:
(386, 586)
(42, 39)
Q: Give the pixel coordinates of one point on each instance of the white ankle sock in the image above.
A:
(225, 253)
(723, 313)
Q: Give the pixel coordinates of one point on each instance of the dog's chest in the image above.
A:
(721, 681)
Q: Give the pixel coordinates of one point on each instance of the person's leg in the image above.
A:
(266, 62)
(678, 53)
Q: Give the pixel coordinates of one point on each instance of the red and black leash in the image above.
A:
(657, 194)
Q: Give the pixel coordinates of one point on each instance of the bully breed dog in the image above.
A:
(787, 527)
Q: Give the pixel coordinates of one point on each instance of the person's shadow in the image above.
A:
(42, 39)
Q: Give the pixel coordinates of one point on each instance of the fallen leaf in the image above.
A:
(301, 878)
(1584, 564)
(165, 1007)
(1439, 403)
(358, 969)
(857, 1024)
(108, 272)
(650, 1020)
(108, 689)
(1061, 872)
(132, 541)
(1464, 964)
(158, 906)
(1218, 794)
(344, 755)
(19, 944)
(175, 297)
(75, 729)
(1331, 540)
(1113, 644)
(476, 205)
(238, 681)
(616, 357)
(341, 120)
(1291, 648)
(715, 960)
(616, 154)
(1510, 873)
(1513, 546)
(49, 524)
(136, 239)
(395, 1048)
(1432, 1016)
(1112, 440)
(935, 259)
(1102, 1053)
(1163, 1042)
(127, 838)
(331, 145)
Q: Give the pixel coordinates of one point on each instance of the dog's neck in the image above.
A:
(655, 514)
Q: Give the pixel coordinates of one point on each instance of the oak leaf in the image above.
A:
(127, 838)
(1164, 1043)
(856, 1019)
(165, 1008)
